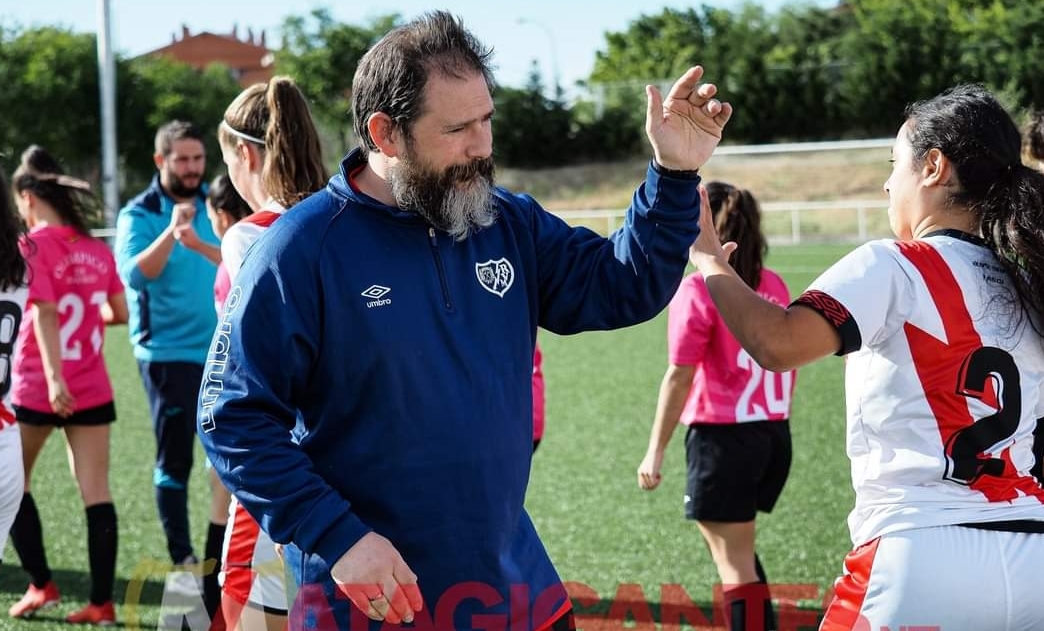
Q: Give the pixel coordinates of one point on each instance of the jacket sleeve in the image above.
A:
(260, 364)
(588, 282)
(132, 237)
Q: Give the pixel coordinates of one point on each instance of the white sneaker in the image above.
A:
(189, 620)
(186, 579)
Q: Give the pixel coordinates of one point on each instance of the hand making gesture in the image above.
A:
(685, 127)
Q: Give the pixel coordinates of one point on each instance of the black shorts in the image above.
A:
(735, 470)
(98, 415)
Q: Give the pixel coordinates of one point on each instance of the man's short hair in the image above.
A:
(392, 75)
(173, 131)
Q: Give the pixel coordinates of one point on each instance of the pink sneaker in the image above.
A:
(101, 615)
(35, 598)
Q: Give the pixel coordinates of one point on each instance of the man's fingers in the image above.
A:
(686, 84)
(408, 587)
(724, 115)
(654, 107)
(703, 93)
(383, 609)
(371, 611)
(363, 596)
(401, 606)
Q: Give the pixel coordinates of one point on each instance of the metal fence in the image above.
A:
(784, 222)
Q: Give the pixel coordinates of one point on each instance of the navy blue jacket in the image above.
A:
(405, 357)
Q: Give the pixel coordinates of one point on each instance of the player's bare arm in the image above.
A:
(778, 338)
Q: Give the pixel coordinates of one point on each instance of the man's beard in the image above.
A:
(457, 200)
(179, 189)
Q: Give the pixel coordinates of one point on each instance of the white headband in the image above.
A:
(62, 180)
(245, 136)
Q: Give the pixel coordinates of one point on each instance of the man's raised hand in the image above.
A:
(685, 127)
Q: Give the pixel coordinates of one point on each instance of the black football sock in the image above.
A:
(770, 612)
(102, 543)
(27, 537)
(212, 550)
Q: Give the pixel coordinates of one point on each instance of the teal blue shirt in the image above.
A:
(172, 316)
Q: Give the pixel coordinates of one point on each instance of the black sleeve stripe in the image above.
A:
(836, 314)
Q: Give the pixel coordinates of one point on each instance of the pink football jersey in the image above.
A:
(728, 385)
(222, 285)
(78, 274)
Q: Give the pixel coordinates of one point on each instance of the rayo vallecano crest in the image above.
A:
(495, 276)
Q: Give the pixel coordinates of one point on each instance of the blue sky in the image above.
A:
(562, 33)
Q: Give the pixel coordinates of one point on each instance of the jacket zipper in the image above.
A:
(447, 302)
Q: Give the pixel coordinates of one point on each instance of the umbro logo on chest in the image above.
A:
(376, 294)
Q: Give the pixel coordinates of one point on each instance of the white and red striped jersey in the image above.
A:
(944, 383)
(12, 310)
(242, 234)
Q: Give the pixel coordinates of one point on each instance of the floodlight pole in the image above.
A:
(107, 87)
(552, 50)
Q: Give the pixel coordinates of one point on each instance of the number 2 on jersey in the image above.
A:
(776, 387)
(990, 375)
(72, 308)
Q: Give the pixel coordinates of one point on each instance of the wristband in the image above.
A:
(681, 174)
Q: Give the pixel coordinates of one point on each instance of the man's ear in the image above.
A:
(384, 133)
(937, 170)
(157, 159)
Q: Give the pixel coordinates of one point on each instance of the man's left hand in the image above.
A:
(685, 128)
(187, 236)
(377, 580)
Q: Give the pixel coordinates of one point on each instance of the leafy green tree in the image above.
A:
(531, 130)
(609, 133)
(803, 70)
(897, 51)
(1002, 45)
(746, 41)
(50, 96)
(654, 47)
(780, 71)
(321, 54)
(155, 90)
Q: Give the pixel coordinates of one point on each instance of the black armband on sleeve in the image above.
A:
(837, 315)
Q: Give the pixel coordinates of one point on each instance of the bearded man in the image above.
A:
(390, 321)
(167, 256)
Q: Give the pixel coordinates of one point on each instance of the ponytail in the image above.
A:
(275, 117)
(737, 217)
(293, 163)
(40, 174)
(1012, 223)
